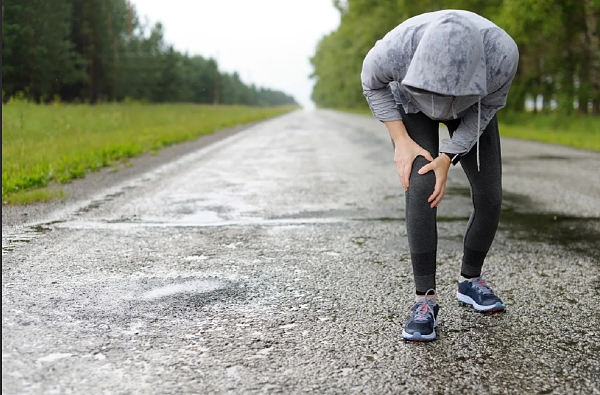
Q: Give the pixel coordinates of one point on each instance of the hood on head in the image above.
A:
(449, 59)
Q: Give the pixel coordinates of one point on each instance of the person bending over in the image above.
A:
(453, 67)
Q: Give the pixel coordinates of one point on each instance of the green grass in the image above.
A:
(43, 144)
(574, 131)
(36, 195)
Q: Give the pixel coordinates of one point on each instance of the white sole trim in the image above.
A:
(418, 336)
(468, 300)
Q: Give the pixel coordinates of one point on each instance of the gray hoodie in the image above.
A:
(447, 64)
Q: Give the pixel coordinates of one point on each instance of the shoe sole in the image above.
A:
(480, 308)
(417, 337)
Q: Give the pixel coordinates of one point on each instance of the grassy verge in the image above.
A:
(43, 144)
(575, 131)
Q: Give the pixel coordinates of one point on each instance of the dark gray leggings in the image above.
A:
(486, 194)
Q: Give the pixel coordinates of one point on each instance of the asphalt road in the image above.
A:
(275, 260)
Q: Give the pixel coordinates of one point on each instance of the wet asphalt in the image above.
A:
(276, 261)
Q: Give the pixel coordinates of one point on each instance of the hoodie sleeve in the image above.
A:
(376, 77)
(467, 134)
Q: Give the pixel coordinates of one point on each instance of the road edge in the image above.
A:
(83, 189)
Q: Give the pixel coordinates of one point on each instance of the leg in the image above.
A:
(421, 223)
(486, 193)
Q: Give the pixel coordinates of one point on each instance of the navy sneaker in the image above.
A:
(422, 322)
(479, 295)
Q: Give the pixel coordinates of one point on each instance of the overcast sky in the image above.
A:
(268, 42)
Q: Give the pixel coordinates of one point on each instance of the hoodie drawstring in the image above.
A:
(432, 107)
(478, 129)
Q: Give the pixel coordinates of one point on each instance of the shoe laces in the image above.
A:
(482, 284)
(423, 307)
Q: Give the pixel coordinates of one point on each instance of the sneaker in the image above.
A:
(422, 322)
(479, 295)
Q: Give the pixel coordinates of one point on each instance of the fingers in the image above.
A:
(437, 195)
(439, 190)
(400, 170)
(438, 198)
(427, 168)
(403, 167)
(441, 173)
(404, 156)
(436, 192)
(404, 174)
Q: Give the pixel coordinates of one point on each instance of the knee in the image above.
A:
(490, 201)
(421, 183)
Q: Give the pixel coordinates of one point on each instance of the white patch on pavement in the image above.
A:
(197, 287)
(54, 357)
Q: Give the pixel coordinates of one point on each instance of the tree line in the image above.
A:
(558, 40)
(98, 50)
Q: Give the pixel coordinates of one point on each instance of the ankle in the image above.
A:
(432, 297)
(462, 278)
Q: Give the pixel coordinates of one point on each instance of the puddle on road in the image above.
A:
(380, 219)
(549, 157)
(580, 234)
(440, 218)
(520, 219)
(543, 157)
(577, 233)
(94, 204)
(24, 235)
(202, 216)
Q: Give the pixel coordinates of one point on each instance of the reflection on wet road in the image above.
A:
(276, 260)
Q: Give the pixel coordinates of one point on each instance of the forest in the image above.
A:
(90, 51)
(559, 66)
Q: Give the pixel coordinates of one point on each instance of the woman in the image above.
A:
(453, 67)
